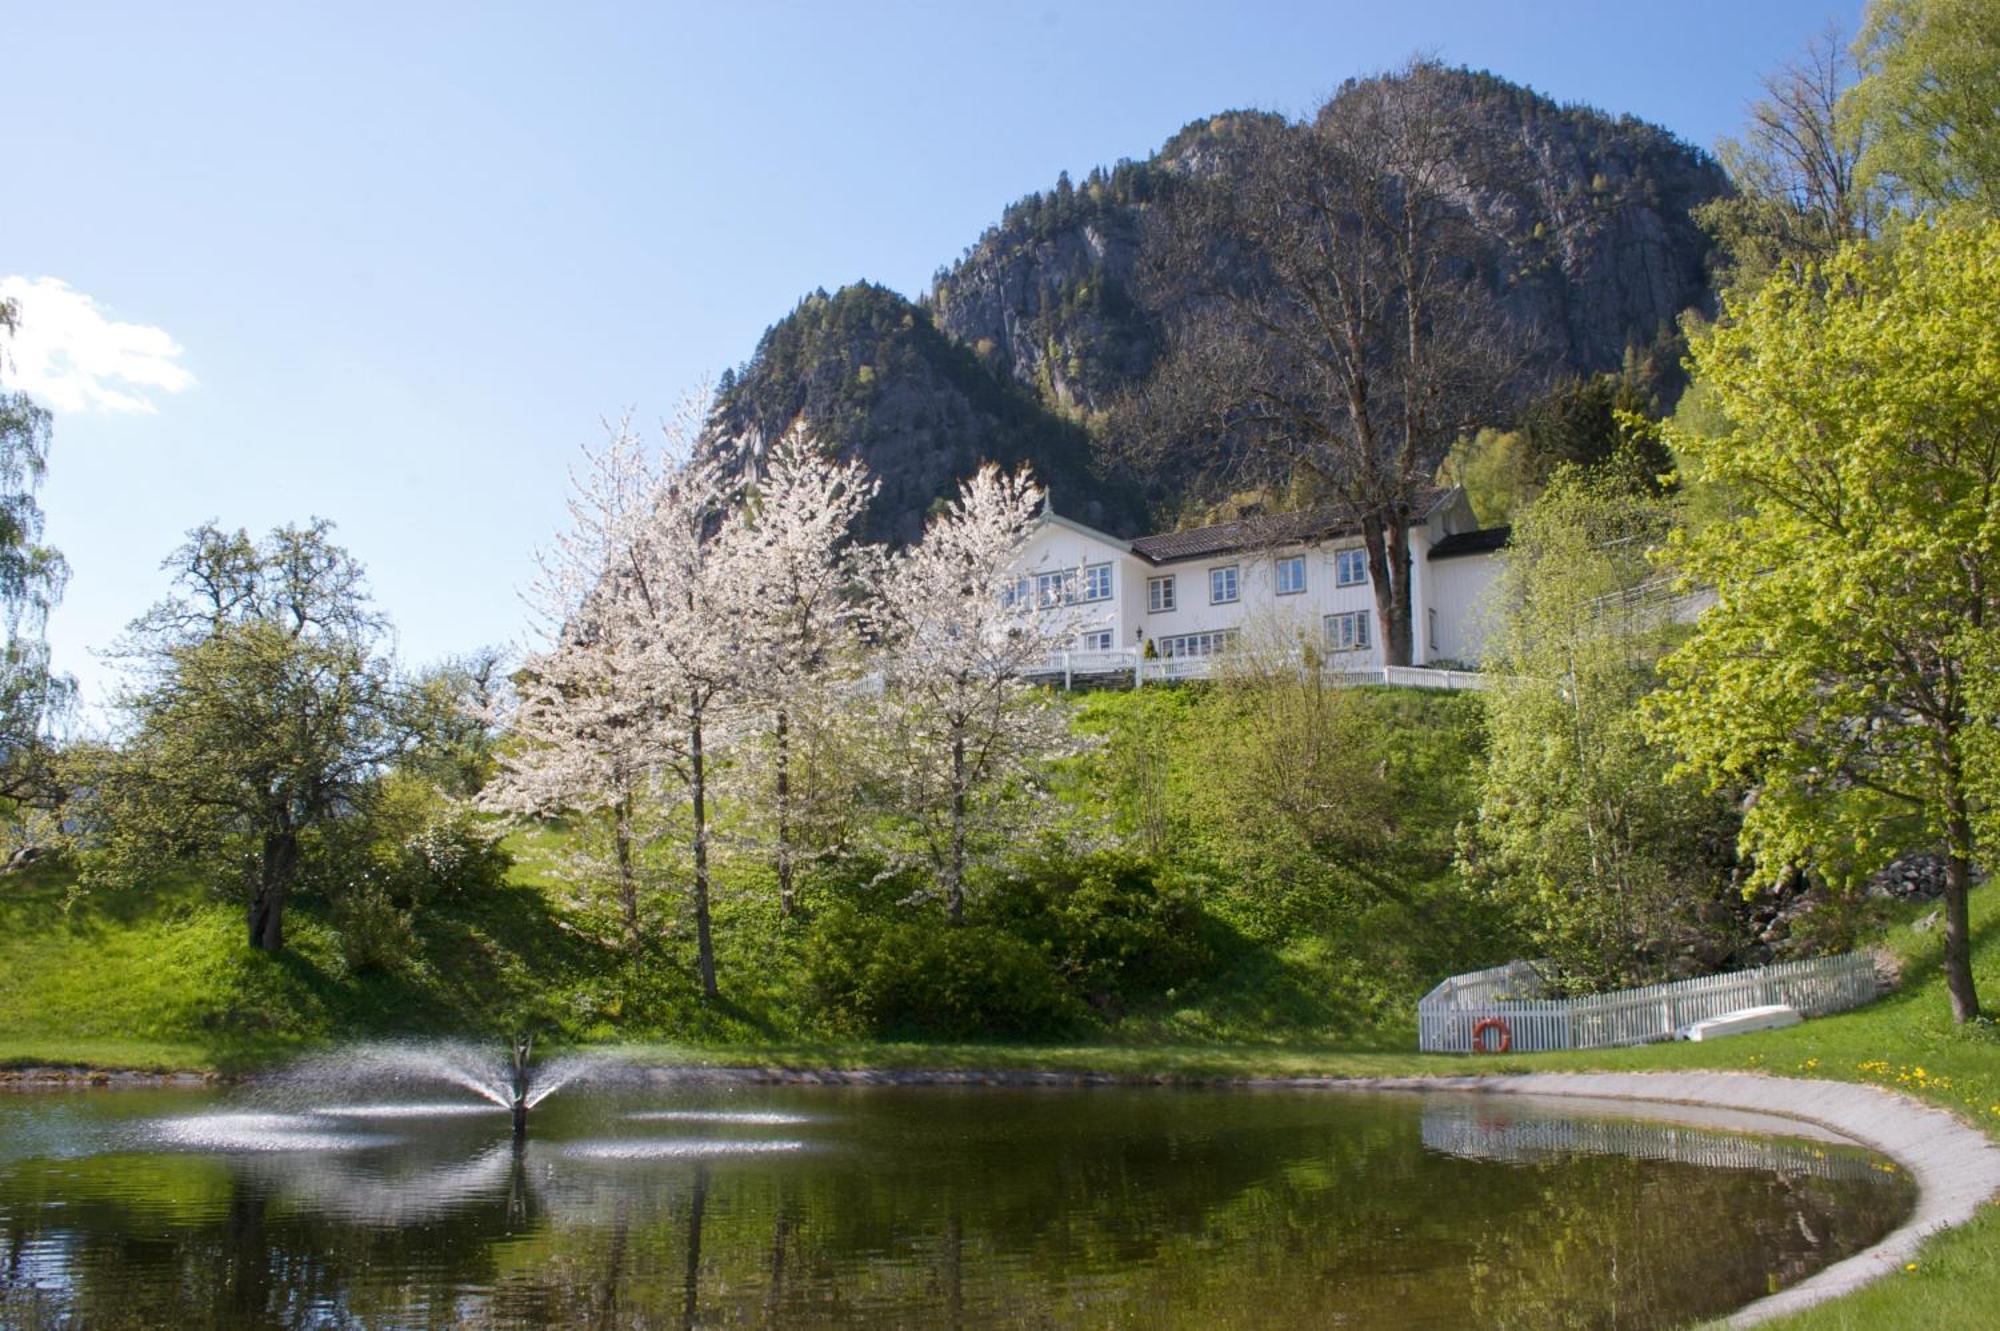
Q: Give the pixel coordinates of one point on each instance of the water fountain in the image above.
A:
(523, 1048)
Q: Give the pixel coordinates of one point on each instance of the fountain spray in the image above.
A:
(523, 1046)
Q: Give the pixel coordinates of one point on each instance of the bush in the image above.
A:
(375, 934)
(914, 976)
(1112, 931)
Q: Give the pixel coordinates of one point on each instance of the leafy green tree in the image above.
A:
(1616, 871)
(456, 706)
(261, 711)
(1847, 669)
(32, 575)
(1927, 104)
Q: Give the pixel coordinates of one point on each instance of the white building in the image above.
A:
(1173, 601)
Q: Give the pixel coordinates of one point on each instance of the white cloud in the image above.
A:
(70, 355)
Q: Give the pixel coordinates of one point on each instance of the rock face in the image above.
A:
(1024, 345)
(876, 380)
(1599, 250)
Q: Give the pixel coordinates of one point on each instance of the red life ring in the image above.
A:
(1485, 1024)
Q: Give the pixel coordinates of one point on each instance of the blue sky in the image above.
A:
(390, 264)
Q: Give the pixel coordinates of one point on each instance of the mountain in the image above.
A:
(876, 379)
(1024, 348)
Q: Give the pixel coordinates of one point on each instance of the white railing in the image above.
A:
(1127, 667)
(1493, 1132)
(1447, 1015)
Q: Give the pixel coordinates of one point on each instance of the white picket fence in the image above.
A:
(1510, 994)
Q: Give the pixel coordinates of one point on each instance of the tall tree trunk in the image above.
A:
(1398, 639)
(628, 883)
(786, 902)
(275, 868)
(1388, 546)
(1957, 916)
(698, 789)
(955, 887)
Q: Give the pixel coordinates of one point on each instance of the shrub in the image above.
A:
(1109, 927)
(375, 934)
(915, 976)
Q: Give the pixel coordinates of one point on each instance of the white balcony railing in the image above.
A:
(1126, 667)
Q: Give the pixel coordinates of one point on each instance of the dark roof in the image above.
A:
(1263, 532)
(1482, 542)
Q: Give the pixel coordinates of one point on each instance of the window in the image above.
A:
(1185, 645)
(1222, 585)
(1348, 632)
(1291, 575)
(1350, 568)
(1014, 592)
(1431, 620)
(1065, 587)
(1159, 594)
(1097, 640)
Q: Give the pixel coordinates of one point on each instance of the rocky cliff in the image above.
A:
(875, 378)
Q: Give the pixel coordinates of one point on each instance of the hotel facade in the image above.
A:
(1169, 604)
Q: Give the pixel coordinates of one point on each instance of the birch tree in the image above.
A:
(964, 719)
(801, 585)
(1617, 872)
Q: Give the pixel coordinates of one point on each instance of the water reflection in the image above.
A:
(829, 1207)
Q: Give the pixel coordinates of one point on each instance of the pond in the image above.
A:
(709, 1204)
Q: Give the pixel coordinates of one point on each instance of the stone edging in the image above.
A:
(1956, 1167)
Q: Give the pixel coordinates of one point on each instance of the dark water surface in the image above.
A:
(703, 1206)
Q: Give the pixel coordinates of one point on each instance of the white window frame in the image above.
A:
(1098, 640)
(1185, 646)
(1286, 564)
(1097, 582)
(1235, 576)
(1349, 631)
(1014, 592)
(1160, 594)
(1350, 568)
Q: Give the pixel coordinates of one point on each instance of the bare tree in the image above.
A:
(1353, 330)
(1800, 195)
